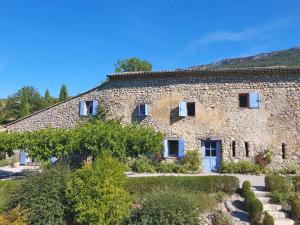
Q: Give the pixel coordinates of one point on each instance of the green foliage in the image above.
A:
(246, 187)
(296, 183)
(143, 165)
(96, 194)
(208, 184)
(24, 103)
(171, 167)
(255, 210)
(277, 183)
(268, 219)
(263, 158)
(63, 94)
(7, 188)
(288, 169)
(42, 196)
(132, 64)
(248, 196)
(295, 211)
(171, 207)
(9, 142)
(192, 161)
(222, 219)
(281, 198)
(242, 167)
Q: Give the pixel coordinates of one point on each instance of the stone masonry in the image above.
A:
(218, 115)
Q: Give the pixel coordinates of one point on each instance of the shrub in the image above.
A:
(14, 216)
(280, 197)
(171, 168)
(169, 206)
(277, 183)
(222, 219)
(7, 188)
(268, 219)
(192, 161)
(296, 183)
(248, 196)
(295, 211)
(208, 184)
(242, 167)
(42, 196)
(255, 209)
(263, 158)
(143, 165)
(96, 194)
(246, 187)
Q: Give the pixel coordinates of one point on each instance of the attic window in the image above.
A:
(244, 100)
(88, 108)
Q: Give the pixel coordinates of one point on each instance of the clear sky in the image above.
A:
(45, 43)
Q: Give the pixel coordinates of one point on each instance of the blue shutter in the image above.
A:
(53, 159)
(22, 157)
(95, 107)
(166, 149)
(181, 150)
(254, 100)
(146, 109)
(183, 109)
(83, 109)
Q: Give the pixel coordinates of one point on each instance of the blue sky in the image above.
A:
(45, 43)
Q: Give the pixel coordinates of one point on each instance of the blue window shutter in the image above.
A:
(254, 100)
(95, 107)
(22, 157)
(83, 109)
(146, 109)
(166, 149)
(181, 150)
(183, 109)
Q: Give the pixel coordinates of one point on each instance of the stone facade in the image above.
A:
(218, 115)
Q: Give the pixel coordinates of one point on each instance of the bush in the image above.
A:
(171, 168)
(42, 196)
(248, 196)
(14, 217)
(143, 165)
(280, 197)
(295, 211)
(208, 184)
(246, 187)
(7, 189)
(263, 158)
(96, 194)
(296, 183)
(277, 183)
(170, 206)
(242, 167)
(255, 209)
(268, 219)
(192, 161)
(222, 219)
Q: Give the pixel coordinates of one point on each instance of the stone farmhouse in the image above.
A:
(227, 114)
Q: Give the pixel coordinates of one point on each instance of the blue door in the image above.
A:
(211, 154)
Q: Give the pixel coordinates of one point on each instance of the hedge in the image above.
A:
(208, 184)
(277, 183)
(242, 167)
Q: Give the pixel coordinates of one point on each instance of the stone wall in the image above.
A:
(218, 115)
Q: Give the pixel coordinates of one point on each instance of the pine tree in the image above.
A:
(63, 95)
(24, 104)
(48, 98)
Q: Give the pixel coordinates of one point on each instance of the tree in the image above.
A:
(96, 193)
(48, 99)
(63, 95)
(24, 103)
(132, 64)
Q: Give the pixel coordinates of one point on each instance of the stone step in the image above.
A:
(272, 207)
(261, 193)
(285, 221)
(264, 200)
(278, 214)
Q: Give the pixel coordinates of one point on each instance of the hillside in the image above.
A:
(290, 57)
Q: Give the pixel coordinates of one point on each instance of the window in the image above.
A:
(233, 149)
(143, 109)
(283, 149)
(249, 100)
(174, 148)
(88, 108)
(247, 149)
(244, 100)
(186, 109)
(191, 109)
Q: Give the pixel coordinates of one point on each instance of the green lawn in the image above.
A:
(6, 189)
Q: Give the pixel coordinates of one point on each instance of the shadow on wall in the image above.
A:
(174, 116)
(135, 117)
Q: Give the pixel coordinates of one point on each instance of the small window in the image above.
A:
(88, 108)
(244, 100)
(191, 108)
(173, 146)
(143, 110)
(233, 149)
(283, 149)
(247, 149)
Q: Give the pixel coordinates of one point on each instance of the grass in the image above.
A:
(6, 189)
